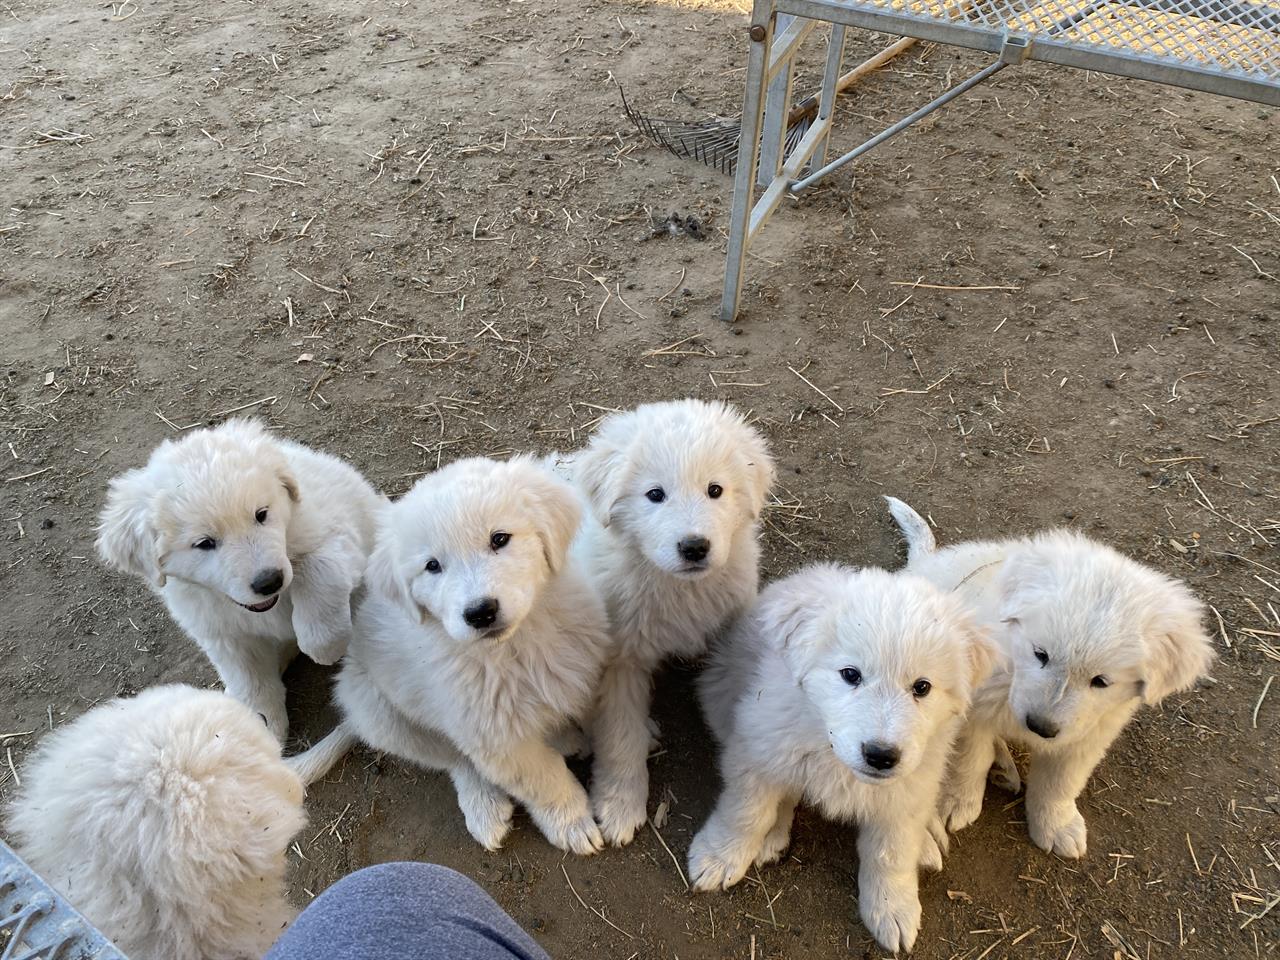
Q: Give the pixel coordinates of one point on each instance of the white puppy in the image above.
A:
(844, 688)
(1088, 636)
(164, 819)
(254, 544)
(676, 489)
(479, 642)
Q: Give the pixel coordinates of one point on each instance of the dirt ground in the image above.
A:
(406, 232)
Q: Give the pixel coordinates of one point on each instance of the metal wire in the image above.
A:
(1224, 46)
(711, 142)
(37, 924)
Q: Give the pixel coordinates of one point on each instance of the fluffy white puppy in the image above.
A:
(1088, 636)
(844, 688)
(676, 489)
(479, 641)
(164, 819)
(254, 544)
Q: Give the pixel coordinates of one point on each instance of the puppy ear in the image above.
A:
(983, 652)
(759, 470)
(1177, 650)
(1023, 577)
(788, 610)
(290, 485)
(381, 572)
(556, 511)
(600, 469)
(127, 539)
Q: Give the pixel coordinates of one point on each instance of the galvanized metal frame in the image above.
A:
(36, 923)
(778, 27)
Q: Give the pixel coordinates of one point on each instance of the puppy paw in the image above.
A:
(775, 845)
(892, 916)
(959, 810)
(325, 644)
(275, 717)
(580, 835)
(718, 861)
(620, 810)
(1064, 835)
(938, 834)
(1005, 772)
(931, 849)
(489, 820)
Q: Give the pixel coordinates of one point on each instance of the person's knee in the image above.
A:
(426, 883)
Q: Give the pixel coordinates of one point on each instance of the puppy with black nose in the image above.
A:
(480, 643)
(1088, 637)
(254, 543)
(844, 688)
(676, 491)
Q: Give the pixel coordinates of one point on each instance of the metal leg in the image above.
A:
(901, 125)
(748, 153)
(776, 104)
(827, 103)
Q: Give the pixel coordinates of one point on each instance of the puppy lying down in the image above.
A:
(255, 545)
(843, 688)
(480, 642)
(164, 819)
(1087, 637)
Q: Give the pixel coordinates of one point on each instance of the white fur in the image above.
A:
(164, 819)
(485, 705)
(1092, 613)
(659, 608)
(792, 727)
(318, 531)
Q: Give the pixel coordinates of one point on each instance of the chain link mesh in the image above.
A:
(1238, 38)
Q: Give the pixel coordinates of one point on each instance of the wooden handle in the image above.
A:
(875, 63)
(808, 107)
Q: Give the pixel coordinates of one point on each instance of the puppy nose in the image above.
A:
(1041, 727)
(267, 582)
(482, 613)
(694, 549)
(880, 756)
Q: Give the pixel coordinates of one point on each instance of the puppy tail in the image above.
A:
(915, 529)
(312, 764)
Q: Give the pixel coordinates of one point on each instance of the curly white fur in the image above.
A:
(164, 819)
(712, 470)
(843, 688)
(1088, 634)
(255, 544)
(481, 700)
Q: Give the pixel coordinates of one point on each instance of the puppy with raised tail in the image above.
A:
(1088, 637)
(676, 490)
(164, 819)
(254, 543)
(843, 688)
(479, 642)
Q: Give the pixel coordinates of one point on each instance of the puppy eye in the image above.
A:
(656, 495)
(206, 543)
(1100, 682)
(851, 675)
(714, 491)
(499, 540)
(1041, 656)
(433, 566)
(921, 688)
(261, 515)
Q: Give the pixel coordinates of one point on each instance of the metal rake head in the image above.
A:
(711, 142)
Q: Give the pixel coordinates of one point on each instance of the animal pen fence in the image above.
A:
(1227, 47)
